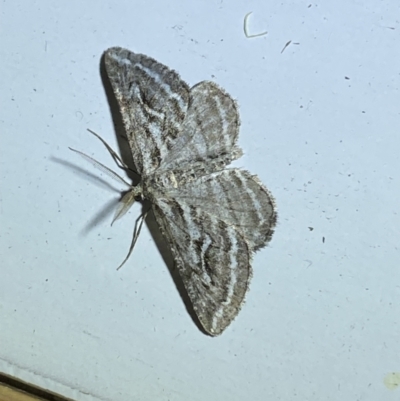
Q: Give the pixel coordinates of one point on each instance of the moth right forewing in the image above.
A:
(213, 260)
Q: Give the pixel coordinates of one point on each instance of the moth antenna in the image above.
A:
(118, 161)
(101, 167)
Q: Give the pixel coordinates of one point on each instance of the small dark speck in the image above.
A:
(311, 228)
(286, 45)
(323, 240)
(346, 78)
(363, 112)
(34, 89)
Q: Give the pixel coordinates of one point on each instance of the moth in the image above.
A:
(214, 218)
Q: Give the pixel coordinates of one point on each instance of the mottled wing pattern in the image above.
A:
(235, 197)
(211, 129)
(213, 259)
(213, 218)
(153, 102)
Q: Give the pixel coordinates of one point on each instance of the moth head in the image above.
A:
(127, 200)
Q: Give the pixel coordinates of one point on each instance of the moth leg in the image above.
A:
(136, 232)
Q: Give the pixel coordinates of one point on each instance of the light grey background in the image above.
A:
(321, 321)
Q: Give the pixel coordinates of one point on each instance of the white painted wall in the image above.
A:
(321, 321)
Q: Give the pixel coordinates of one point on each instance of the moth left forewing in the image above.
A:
(213, 259)
(153, 100)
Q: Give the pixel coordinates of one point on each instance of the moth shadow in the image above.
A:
(101, 216)
(122, 139)
(166, 254)
(107, 210)
(127, 158)
(79, 171)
